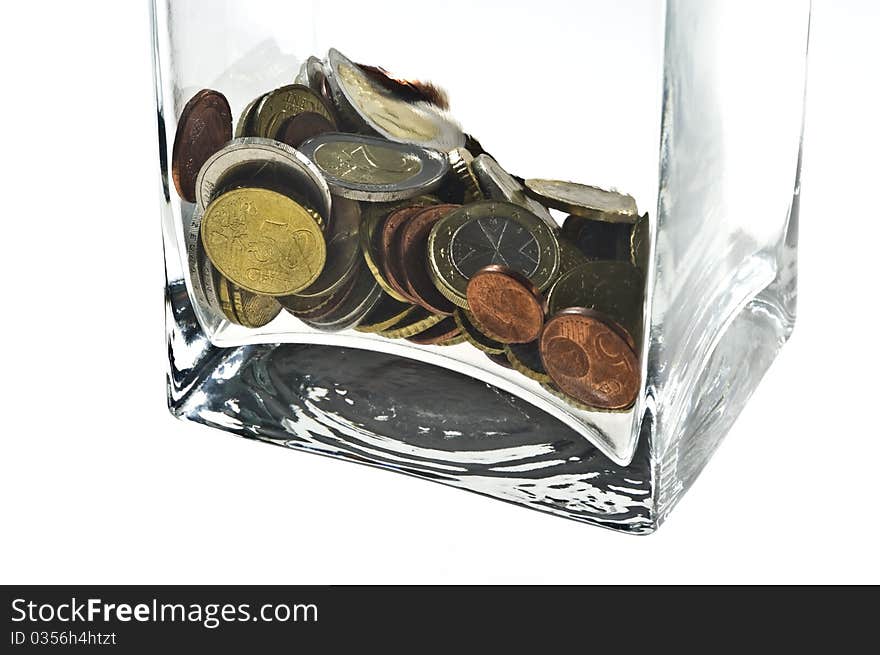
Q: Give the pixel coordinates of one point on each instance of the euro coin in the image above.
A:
(589, 358)
(205, 124)
(490, 232)
(263, 241)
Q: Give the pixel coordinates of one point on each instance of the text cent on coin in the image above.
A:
(263, 241)
(505, 305)
(589, 359)
(205, 125)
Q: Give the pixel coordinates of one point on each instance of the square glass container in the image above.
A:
(693, 107)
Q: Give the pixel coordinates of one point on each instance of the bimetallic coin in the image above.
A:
(254, 161)
(616, 289)
(343, 249)
(584, 200)
(375, 170)
(474, 336)
(525, 358)
(490, 232)
(415, 323)
(364, 295)
(589, 359)
(440, 334)
(263, 241)
(287, 102)
(498, 184)
(412, 253)
(385, 315)
(205, 124)
(246, 125)
(505, 305)
(640, 244)
(366, 101)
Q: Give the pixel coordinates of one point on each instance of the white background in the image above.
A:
(99, 484)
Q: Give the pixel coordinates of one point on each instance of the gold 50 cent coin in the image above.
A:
(263, 241)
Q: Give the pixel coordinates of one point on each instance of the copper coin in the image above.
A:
(412, 253)
(205, 125)
(297, 129)
(443, 331)
(389, 258)
(501, 360)
(590, 358)
(506, 305)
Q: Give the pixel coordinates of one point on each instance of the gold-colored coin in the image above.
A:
(263, 241)
(416, 322)
(253, 310)
(473, 335)
(224, 295)
(243, 307)
(453, 341)
(287, 102)
(525, 358)
(387, 314)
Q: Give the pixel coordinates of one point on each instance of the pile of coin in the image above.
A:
(352, 200)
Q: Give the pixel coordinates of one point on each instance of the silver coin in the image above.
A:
(376, 170)
(311, 74)
(498, 184)
(640, 244)
(343, 249)
(302, 76)
(209, 282)
(363, 298)
(245, 125)
(251, 158)
(361, 99)
(584, 200)
(193, 248)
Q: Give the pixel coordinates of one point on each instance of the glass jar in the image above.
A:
(635, 316)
